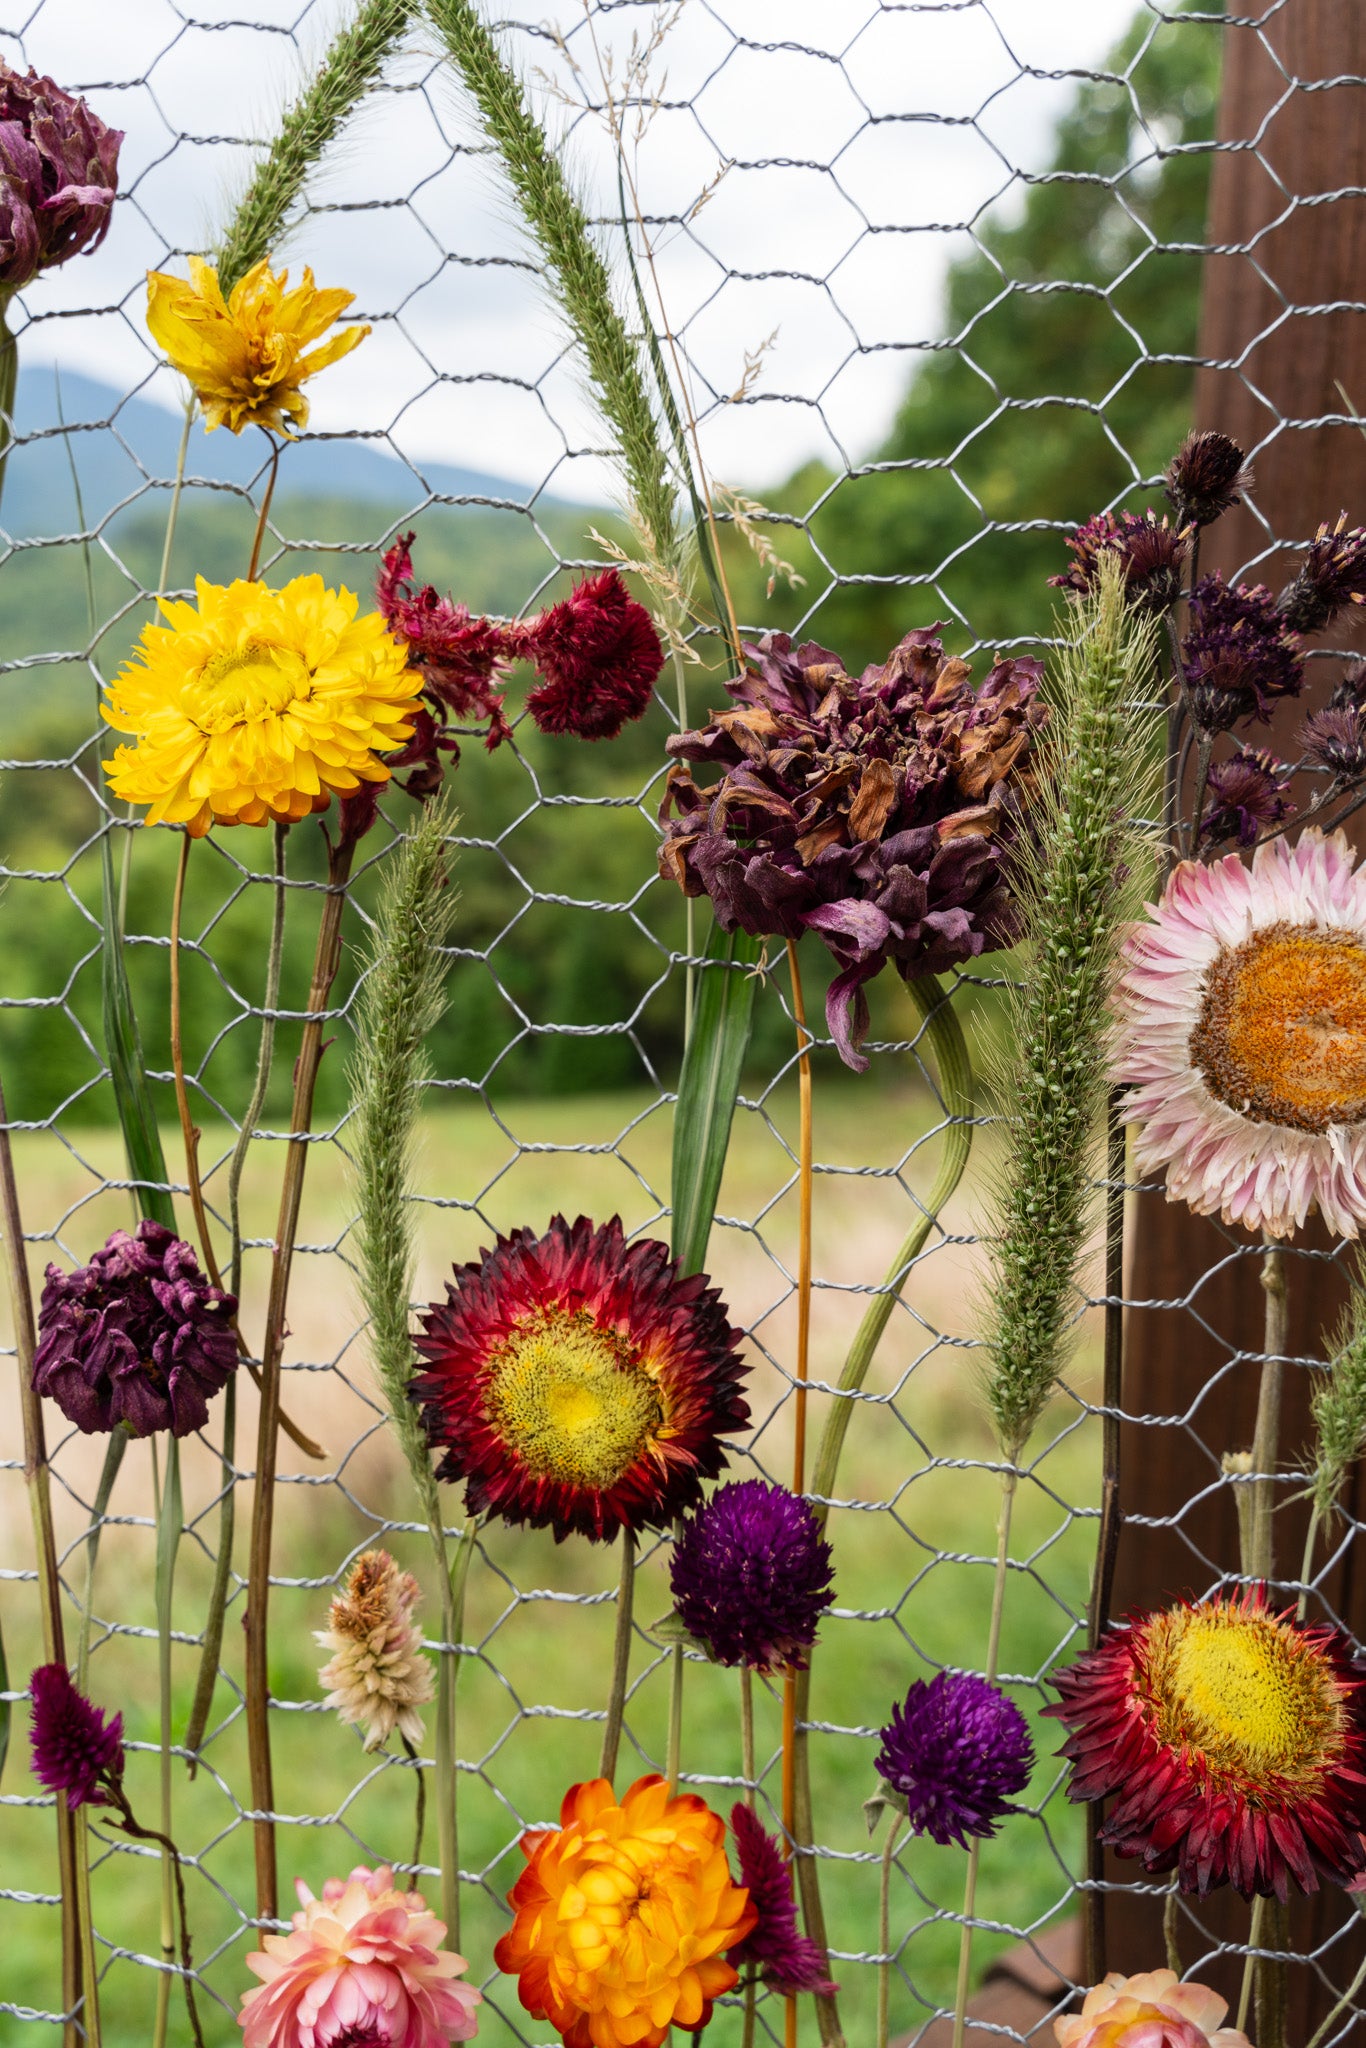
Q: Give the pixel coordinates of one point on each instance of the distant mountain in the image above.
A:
(120, 443)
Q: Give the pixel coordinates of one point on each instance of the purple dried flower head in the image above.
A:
(751, 1575)
(1240, 656)
(1336, 739)
(955, 1752)
(58, 176)
(1349, 692)
(74, 1747)
(876, 813)
(1206, 477)
(137, 1339)
(1152, 550)
(1248, 792)
(1332, 575)
(788, 1962)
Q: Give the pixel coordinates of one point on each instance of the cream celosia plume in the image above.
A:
(378, 1674)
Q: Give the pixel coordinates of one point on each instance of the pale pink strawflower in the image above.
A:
(1241, 1036)
(1154, 2010)
(363, 1968)
(378, 1674)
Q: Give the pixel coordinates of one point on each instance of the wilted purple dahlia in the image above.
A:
(875, 812)
(1206, 477)
(1248, 792)
(751, 1575)
(1152, 550)
(788, 1962)
(955, 1752)
(1240, 656)
(137, 1339)
(58, 176)
(73, 1745)
(1331, 576)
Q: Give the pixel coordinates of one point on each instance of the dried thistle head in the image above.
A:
(378, 1675)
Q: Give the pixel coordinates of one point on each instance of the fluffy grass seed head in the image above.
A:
(252, 704)
(1338, 1402)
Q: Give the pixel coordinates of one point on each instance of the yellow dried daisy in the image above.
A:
(256, 704)
(245, 355)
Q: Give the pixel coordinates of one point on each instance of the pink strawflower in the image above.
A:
(1153, 2010)
(364, 1968)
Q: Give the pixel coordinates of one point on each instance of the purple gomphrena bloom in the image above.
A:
(1332, 576)
(877, 812)
(1206, 477)
(1240, 656)
(58, 176)
(788, 1962)
(1153, 553)
(956, 1752)
(751, 1576)
(1336, 739)
(1248, 792)
(137, 1339)
(74, 1747)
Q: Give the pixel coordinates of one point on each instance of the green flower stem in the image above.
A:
(90, 1976)
(267, 494)
(621, 1659)
(453, 1580)
(170, 1528)
(1311, 1537)
(1254, 1938)
(884, 1928)
(747, 1735)
(1321, 2033)
(173, 515)
(1170, 1924)
(674, 1754)
(1259, 1562)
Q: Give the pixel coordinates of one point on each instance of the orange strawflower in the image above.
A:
(622, 1915)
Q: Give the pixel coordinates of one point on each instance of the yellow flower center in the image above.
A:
(248, 683)
(574, 1400)
(1245, 1692)
(1282, 1030)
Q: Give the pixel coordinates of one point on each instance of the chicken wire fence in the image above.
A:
(833, 223)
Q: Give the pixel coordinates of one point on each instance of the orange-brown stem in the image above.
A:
(264, 513)
(804, 1168)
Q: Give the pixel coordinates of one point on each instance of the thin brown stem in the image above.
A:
(189, 1130)
(1260, 1560)
(264, 513)
(1171, 1909)
(131, 1826)
(884, 1929)
(420, 1815)
(621, 1659)
(257, 1688)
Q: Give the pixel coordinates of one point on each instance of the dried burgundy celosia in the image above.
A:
(875, 812)
(137, 1339)
(58, 176)
(598, 655)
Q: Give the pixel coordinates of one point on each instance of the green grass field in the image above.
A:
(913, 1548)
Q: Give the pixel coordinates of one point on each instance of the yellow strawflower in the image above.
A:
(256, 704)
(245, 356)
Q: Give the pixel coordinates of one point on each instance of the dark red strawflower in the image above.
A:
(1153, 553)
(578, 1382)
(59, 168)
(1233, 1741)
(1336, 739)
(1248, 792)
(599, 655)
(1239, 655)
(953, 1755)
(73, 1745)
(788, 1962)
(1206, 477)
(751, 1576)
(877, 813)
(138, 1339)
(1332, 576)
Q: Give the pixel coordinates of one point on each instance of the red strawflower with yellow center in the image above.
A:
(1235, 1740)
(579, 1383)
(622, 1914)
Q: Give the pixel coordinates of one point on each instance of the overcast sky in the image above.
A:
(864, 141)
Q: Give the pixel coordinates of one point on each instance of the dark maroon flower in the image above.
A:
(955, 1752)
(1206, 477)
(1153, 553)
(877, 813)
(1336, 739)
(1332, 576)
(137, 1339)
(59, 169)
(462, 659)
(751, 1575)
(1248, 792)
(788, 1962)
(74, 1747)
(1239, 655)
(599, 655)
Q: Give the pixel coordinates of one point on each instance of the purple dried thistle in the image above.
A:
(1206, 477)
(1240, 657)
(1153, 553)
(74, 1747)
(1248, 792)
(955, 1752)
(1332, 576)
(138, 1339)
(1336, 739)
(751, 1576)
(58, 176)
(788, 1962)
(875, 812)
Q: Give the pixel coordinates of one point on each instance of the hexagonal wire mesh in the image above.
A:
(847, 133)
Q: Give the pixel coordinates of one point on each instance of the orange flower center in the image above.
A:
(1282, 1030)
(573, 1399)
(243, 685)
(1245, 1692)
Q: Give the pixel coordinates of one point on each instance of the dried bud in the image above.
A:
(1336, 739)
(58, 176)
(1248, 792)
(1206, 477)
(1332, 575)
(1239, 655)
(1152, 550)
